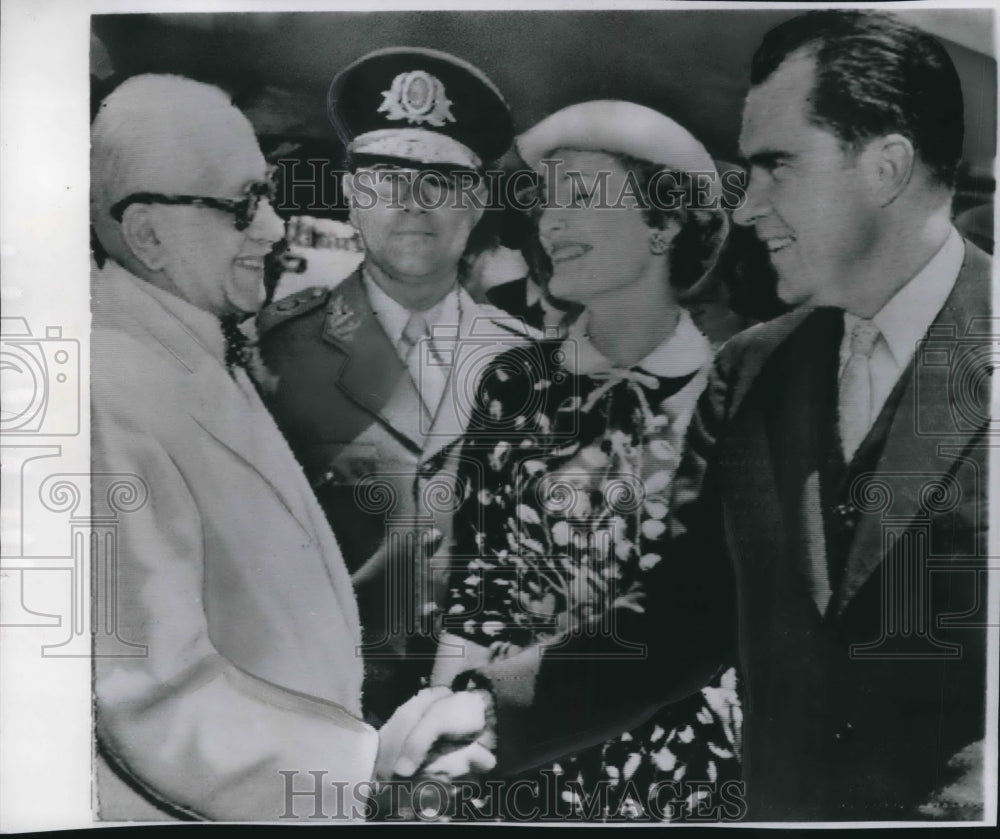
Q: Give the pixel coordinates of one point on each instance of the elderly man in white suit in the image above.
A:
(229, 575)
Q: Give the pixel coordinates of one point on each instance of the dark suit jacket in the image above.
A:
(853, 711)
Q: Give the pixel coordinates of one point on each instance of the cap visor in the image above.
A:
(417, 145)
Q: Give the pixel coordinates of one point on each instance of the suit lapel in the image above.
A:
(925, 419)
(749, 475)
(404, 412)
(797, 429)
(234, 417)
(237, 419)
(373, 376)
(237, 423)
(233, 414)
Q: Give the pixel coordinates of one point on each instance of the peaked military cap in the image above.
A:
(419, 105)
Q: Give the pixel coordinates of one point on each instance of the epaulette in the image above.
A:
(290, 307)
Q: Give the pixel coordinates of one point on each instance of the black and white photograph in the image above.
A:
(565, 413)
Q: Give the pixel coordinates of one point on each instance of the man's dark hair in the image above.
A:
(875, 75)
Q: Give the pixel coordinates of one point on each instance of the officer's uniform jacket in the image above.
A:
(381, 468)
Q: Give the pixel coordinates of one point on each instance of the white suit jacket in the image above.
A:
(228, 574)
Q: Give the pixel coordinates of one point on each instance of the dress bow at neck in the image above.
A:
(582, 358)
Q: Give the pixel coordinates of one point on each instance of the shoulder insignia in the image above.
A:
(290, 307)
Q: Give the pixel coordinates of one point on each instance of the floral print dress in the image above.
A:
(568, 465)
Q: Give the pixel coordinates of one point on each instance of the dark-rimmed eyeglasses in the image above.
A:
(243, 209)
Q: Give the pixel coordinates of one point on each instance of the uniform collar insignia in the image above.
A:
(342, 321)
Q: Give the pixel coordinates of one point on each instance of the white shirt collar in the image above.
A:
(393, 315)
(904, 320)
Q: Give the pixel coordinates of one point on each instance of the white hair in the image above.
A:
(156, 133)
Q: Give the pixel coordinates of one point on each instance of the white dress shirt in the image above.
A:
(443, 317)
(904, 320)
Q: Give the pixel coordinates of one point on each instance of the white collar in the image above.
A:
(393, 315)
(685, 351)
(904, 320)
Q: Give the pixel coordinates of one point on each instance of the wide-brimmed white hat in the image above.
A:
(616, 126)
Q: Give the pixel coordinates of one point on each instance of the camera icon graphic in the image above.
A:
(39, 380)
(492, 345)
(953, 377)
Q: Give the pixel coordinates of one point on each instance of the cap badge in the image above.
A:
(417, 97)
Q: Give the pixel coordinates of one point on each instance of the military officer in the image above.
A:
(371, 381)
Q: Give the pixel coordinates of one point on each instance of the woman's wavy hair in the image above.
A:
(696, 246)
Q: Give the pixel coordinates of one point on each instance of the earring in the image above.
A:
(658, 244)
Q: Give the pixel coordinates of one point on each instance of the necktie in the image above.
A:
(415, 331)
(856, 404)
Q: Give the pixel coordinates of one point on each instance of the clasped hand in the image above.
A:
(438, 733)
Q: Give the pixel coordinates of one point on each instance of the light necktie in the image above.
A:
(856, 396)
(415, 329)
(413, 333)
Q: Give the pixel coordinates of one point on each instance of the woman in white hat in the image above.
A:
(567, 466)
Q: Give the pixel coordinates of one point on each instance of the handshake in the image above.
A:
(439, 734)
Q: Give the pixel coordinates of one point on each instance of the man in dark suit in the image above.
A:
(856, 428)
(830, 513)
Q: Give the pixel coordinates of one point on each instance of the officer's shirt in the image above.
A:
(444, 315)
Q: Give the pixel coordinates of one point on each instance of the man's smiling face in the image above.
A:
(807, 198)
